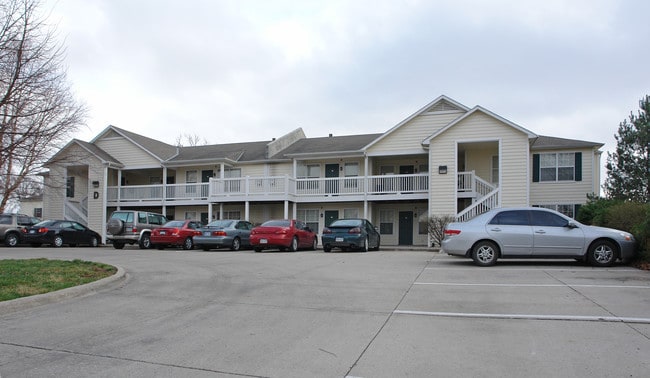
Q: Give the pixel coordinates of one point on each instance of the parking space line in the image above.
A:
(578, 269)
(531, 285)
(612, 319)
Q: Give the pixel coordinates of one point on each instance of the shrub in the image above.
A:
(436, 227)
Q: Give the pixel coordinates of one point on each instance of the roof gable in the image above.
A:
(159, 150)
(480, 109)
(103, 156)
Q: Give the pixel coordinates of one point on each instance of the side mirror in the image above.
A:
(571, 225)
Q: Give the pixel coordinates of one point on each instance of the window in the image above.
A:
(568, 210)
(544, 218)
(190, 215)
(386, 219)
(549, 167)
(309, 171)
(350, 213)
(38, 212)
(234, 214)
(351, 170)
(511, 218)
(191, 177)
(310, 216)
(495, 169)
(69, 187)
(423, 223)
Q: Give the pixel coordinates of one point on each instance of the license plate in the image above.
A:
(32, 231)
(339, 239)
(162, 232)
(264, 241)
(207, 233)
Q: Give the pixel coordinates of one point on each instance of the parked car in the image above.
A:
(350, 234)
(227, 233)
(284, 234)
(176, 233)
(59, 232)
(12, 227)
(535, 233)
(132, 226)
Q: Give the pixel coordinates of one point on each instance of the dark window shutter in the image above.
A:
(576, 208)
(578, 172)
(535, 167)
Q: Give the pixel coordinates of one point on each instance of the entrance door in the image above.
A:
(405, 228)
(331, 216)
(205, 177)
(331, 170)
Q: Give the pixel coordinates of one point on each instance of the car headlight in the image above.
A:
(626, 236)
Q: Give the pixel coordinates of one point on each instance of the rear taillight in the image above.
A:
(218, 233)
(134, 230)
(175, 232)
(355, 230)
(452, 232)
(43, 230)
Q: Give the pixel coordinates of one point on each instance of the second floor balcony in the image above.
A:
(275, 188)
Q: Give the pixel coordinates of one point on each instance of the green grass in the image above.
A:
(22, 278)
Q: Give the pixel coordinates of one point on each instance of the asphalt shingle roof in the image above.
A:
(547, 143)
(330, 144)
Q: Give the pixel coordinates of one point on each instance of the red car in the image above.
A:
(284, 234)
(176, 233)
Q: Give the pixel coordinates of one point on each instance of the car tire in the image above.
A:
(118, 245)
(364, 247)
(327, 248)
(94, 242)
(236, 244)
(314, 244)
(11, 239)
(485, 253)
(602, 253)
(293, 247)
(145, 241)
(57, 241)
(188, 244)
(115, 226)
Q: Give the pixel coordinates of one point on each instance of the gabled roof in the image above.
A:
(159, 150)
(235, 152)
(553, 143)
(92, 149)
(338, 145)
(440, 104)
(475, 110)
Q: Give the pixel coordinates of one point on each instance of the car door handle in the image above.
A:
(497, 229)
(540, 232)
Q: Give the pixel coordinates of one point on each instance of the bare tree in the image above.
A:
(190, 140)
(38, 112)
(436, 226)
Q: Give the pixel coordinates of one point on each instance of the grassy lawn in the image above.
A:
(22, 278)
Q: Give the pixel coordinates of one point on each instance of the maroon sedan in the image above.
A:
(176, 233)
(284, 234)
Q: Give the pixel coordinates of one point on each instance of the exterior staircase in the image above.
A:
(486, 196)
(77, 211)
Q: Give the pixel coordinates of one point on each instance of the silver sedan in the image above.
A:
(233, 234)
(535, 233)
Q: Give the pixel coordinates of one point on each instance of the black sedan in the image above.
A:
(60, 232)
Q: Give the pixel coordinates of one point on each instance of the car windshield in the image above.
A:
(221, 223)
(346, 223)
(174, 224)
(277, 223)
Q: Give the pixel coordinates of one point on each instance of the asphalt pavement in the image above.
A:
(391, 313)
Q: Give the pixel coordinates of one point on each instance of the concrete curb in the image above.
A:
(59, 295)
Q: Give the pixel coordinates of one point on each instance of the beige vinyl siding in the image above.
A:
(479, 127)
(567, 192)
(479, 160)
(127, 153)
(409, 136)
(54, 200)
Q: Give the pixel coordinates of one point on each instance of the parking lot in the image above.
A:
(309, 313)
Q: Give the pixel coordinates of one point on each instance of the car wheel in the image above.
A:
(58, 241)
(11, 239)
(236, 245)
(188, 244)
(314, 244)
(118, 245)
(94, 242)
(364, 247)
(602, 253)
(294, 244)
(485, 253)
(115, 226)
(327, 248)
(145, 241)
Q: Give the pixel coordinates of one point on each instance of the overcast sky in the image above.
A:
(231, 71)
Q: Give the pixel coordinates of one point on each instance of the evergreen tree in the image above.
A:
(628, 169)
